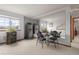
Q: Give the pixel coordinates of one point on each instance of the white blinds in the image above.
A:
(6, 22)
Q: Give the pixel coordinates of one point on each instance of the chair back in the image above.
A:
(54, 33)
(39, 34)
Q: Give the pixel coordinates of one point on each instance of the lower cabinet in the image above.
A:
(11, 37)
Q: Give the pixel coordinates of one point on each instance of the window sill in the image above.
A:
(6, 30)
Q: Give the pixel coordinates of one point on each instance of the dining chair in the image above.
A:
(54, 38)
(40, 39)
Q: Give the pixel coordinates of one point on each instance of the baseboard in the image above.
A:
(55, 42)
(20, 39)
(63, 44)
(5, 42)
(2, 43)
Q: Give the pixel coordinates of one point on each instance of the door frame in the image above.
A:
(72, 27)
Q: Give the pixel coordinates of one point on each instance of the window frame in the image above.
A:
(10, 23)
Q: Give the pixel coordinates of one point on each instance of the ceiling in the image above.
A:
(32, 10)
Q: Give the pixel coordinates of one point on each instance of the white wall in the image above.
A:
(57, 19)
(2, 36)
(77, 25)
(20, 34)
(68, 13)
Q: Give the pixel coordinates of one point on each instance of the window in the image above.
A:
(6, 22)
(15, 23)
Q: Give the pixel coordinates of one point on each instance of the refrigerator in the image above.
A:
(28, 31)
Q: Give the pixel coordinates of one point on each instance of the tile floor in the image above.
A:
(75, 42)
(28, 47)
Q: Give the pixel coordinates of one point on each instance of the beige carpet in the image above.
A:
(28, 47)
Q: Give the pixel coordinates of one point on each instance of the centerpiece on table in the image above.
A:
(45, 31)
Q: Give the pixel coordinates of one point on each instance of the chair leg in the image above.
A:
(54, 44)
(47, 43)
(57, 41)
(37, 42)
(42, 42)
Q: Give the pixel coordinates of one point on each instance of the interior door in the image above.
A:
(72, 28)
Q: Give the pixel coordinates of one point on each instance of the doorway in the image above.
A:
(74, 29)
